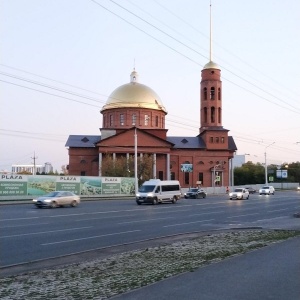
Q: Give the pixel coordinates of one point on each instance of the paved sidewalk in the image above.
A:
(272, 272)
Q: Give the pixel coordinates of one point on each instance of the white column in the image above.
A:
(154, 165)
(168, 167)
(100, 164)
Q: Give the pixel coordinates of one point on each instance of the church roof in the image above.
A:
(182, 142)
(134, 95)
(186, 142)
(83, 141)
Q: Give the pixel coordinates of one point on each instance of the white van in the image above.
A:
(157, 191)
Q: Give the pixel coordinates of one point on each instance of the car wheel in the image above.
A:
(53, 204)
(248, 197)
(230, 198)
(154, 202)
(242, 197)
(138, 203)
(197, 196)
(204, 196)
(174, 200)
(74, 203)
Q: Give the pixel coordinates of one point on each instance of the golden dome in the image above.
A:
(133, 95)
(211, 65)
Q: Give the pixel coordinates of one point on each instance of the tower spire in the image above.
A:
(210, 33)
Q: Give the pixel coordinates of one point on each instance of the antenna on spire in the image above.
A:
(134, 64)
(210, 33)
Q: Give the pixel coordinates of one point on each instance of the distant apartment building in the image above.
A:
(238, 160)
(33, 169)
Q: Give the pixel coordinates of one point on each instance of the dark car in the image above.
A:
(251, 190)
(195, 193)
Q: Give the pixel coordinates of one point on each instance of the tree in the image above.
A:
(64, 170)
(123, 167)
(249, 173)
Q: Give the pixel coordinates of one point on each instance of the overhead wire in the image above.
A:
(197, 52)
(99, 101)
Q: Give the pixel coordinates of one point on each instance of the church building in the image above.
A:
(134, 122)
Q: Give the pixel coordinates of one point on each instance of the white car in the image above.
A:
(267, 190)
(239, 193)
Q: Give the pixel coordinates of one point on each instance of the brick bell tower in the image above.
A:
(211, 129)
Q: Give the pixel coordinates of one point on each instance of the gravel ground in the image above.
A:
(119, 273)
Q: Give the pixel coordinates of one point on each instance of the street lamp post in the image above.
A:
(135, 163)
(214, 176)
(266, 168)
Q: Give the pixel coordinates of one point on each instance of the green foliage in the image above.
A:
(123, 167)
(250, 173)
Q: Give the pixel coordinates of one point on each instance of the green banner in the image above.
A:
(13, 185)
(37, 185)
(68, 183)
(111, 185)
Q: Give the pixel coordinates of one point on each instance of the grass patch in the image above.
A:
(120, 273)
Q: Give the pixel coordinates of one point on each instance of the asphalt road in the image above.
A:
(29, 234)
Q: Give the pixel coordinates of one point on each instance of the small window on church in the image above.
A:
(146, 120)
(219, 94)
(133, 119)
(156, 121)
(205, 93)
(111, 120)
(222, 140)
(219, 114)
(211, 139)
(122, 119)
(205, 114)
(212, 114)
(217, 140)
(212, 93)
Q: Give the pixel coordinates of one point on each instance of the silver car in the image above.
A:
(56, 199)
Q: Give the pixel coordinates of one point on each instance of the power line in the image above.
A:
(181, 43)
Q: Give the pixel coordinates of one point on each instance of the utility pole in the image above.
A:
(266, 168)
(34, 164)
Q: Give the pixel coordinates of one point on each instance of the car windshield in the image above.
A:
(146, 188)
(52, 194)
(193, 190)
(238, 190)
(266, 187)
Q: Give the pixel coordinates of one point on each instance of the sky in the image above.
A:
(60, 61)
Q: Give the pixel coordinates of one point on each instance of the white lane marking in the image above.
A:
(148, 220)
(16, 219)
(208, 213)
(90, 213)
(104, 218)
(243, 215)
(90, 237)
(44, 232)
(278, 210)
(24, 225)
(262, 220)
(179, 224)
